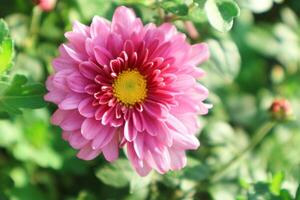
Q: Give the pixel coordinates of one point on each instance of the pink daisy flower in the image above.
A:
(120, 84)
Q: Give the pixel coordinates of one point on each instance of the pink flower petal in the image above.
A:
(77, 83)
(87, 153)
(60, 79)
(91, 128)
(73, 54)
(140, 166)
(76, 140)
(138, 145)
(156, 109)
(100, 26)
(111, 150)
(89, 70)
(178, 159)
(102, 55)
(130, 131)
(71, 101)
(184, 82)
(137, 121)
(67, 120)
(102, 139)
(185, 141)
(199, 53)
(86, 108)
(124, 21)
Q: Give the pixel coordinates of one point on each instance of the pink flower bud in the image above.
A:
(281, 109)
(46, 5)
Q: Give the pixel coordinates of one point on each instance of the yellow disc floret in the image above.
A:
(130, 87)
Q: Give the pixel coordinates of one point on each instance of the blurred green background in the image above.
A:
(245, 153)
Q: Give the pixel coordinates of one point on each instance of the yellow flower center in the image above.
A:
(130, 87)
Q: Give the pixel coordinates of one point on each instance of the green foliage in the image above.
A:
(3, 30)
(297, 197)
(225, 61)
(120, 174)
(88, 10)
(19, 94)
(176, 7)
(220, 13)
(271, 190)
(117, 174)
(6, 47)
(254, 62)
(260, 6)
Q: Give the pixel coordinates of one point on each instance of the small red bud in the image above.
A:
(281, 109)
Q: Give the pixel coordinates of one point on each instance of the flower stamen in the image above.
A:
(130, 87)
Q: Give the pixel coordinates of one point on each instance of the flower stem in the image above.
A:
(160, 11)
(191, 29)
(34, 27)
(256, 139)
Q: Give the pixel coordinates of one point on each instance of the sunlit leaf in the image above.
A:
(220, 13)
(276, 182)
(224, 62)
(3, 30)
(6, 47)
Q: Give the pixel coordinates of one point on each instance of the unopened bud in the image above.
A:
(281, 109)
(45, 5)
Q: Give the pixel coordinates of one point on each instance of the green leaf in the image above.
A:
(268, 190)
(6, 47)
(261, 39)
(220, 13)
(85, 195)
(5, 181)
(20, 94)
(117, 174)
(198, 172)
(49, 28)
(19, 177)
(29, 192)
(258, 6)
(14, 133)
(298, 193)
(289, 17)
(285, 195)
(276, 182)
(6, 54)
(175, 7)
(197, 14)
(138, 183)
(45, 156)
(224, 63)
(28, 139)
(200, 2)
(262, 188)
(19, 28)
(139, 187)
(29, 66)
(3, 30)
(94, 7)
(120, 174)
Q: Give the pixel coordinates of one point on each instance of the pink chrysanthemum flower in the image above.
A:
(122, 84)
